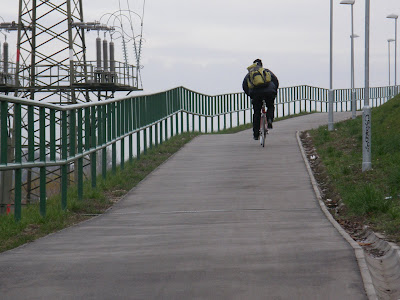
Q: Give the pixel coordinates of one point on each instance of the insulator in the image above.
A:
(105, 55)
(112, 57)
(98, 52)
(125, 52)
(5, 54)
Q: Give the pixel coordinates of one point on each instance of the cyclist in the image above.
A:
(258, 94)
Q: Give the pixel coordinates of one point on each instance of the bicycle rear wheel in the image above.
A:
(263, 132)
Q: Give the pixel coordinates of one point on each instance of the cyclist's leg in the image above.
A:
(270, 109)
(257, 103)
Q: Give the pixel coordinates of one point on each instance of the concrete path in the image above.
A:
(222, 219)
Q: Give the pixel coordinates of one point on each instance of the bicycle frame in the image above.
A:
(263, 123)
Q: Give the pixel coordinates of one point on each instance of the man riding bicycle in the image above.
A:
(260, 84)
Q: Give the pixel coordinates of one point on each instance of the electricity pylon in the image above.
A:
(51, 64)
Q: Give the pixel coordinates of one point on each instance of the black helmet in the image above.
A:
(258, 62)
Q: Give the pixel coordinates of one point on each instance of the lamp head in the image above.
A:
(391, 40)
(351, 2)
(392, 16)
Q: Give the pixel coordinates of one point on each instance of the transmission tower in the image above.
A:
(51, 63)
(51, 54)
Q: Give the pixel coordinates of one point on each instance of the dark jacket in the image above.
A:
(271, 89)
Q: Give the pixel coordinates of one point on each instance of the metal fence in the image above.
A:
(40, 139)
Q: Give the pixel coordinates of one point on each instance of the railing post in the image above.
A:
(122, 117)
(181, 120)
(103, 110)
(212, 113)
(18, 159)
(192, 101)
(3, 133)
(72, 138)
(200, 110)
(193, 122)
(244, 106)
(113, 125)
(219, 112)
(80, 160)
(156, 134)
(64, 155)
(149, 120)
(206, 112)
(138, 145)
(176, 110)
(100, 121)
(145, 141)
(230, 111)
(151, 137)
(6, 156)
(176, 123)
(171, 119)
(52, 135)
(161, 131)
(120, 131)
(238, 109)
(224, 110)
(31, 149)
(187, 122)
(93, 156)
(135, 123)
(42, 129)
(144, 122)
(130, 128)
(166, 129)
(200, 123)
(297, 94)
(353, 104)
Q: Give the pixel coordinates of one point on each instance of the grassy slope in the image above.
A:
(371, 197)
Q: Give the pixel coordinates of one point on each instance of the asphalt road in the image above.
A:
(222, 219)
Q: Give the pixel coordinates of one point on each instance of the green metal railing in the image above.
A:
(45, 137)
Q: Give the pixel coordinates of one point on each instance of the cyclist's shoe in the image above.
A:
(269, 121)
(255, 137)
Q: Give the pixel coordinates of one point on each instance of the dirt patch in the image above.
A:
(356, 227)
(31, 229)
(115, 195)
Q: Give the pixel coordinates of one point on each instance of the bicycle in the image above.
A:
(263, 124)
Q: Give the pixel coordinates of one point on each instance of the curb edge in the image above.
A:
(359, 252)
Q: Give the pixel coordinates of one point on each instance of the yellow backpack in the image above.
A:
(258, 76)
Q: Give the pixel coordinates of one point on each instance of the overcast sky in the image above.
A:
(207, 45)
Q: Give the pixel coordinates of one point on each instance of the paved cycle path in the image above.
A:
(222, 219)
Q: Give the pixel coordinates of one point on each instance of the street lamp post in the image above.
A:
(352, 37)
(366, 164)
(393, 16)
(353, 91)
(389, 41)
(330, 113)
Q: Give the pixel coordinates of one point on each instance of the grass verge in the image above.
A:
(359, 198)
